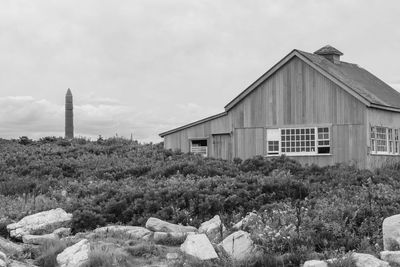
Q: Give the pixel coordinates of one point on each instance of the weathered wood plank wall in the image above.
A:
(299, 95)
(222, 146)
(376, 117)
(295, 95)
(181, 139)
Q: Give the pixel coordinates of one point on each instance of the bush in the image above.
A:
(144, 249)
(119, 181)
(3, 227)
(48, 253)
(83, 220)
(106, 255)
(346, 261)
(24, 140)
(99, 258)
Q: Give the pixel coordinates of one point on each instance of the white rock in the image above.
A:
(39, 239)
(172, 237)
(14, 263)
(44, 222)
(213, 229)
(367, 260)
(238, 226)
(243, 223)
(115, 229)
(172, 256)
(64, 193)
(135, 232)
(157, 225)
(3, 256)
(315, 263)
(238, 245)
(391, 232)
(199, 247)
(74, 256)
(391, 256)
(9, 247)
(3, 259)
(62, 232)
(139, 233)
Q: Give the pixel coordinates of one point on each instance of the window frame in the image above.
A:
(272, 135)
(390, 142)
(199, 139)
(372, 139)
(381, 142)
(300, 136)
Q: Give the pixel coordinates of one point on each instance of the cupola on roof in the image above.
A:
(330, 53)
(328, 50)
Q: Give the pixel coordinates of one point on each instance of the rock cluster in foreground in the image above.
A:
(40, 223)
(39, 228)
(204, 244)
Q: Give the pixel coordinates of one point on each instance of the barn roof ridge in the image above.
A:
(360, 83)
(358, 79)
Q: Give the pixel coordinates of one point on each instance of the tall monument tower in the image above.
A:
(69, 116)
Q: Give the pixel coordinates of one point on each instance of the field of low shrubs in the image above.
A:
(303, 211)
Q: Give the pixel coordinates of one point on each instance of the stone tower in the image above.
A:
(69, 116)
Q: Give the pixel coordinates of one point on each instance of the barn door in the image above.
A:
(222, 146)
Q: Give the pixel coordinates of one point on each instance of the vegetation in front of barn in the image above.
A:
(302, 212)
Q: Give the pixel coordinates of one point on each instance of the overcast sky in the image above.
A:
(143, 67)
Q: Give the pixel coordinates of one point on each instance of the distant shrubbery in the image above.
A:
(301, 210)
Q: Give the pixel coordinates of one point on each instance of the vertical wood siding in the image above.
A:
(294, 95)
(222, 146)
(181, 139)
(297, 94)
(249, 142)
(376, 117)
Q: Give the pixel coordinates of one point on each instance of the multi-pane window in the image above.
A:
(300, 141)
(384, 140)
(272, 141)
(273, 147)
(323, 140)
(373, 139)
(199, 147)
(381, 139)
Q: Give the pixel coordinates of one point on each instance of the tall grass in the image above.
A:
(48, 253)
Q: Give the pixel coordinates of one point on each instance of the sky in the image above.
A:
(141, 67)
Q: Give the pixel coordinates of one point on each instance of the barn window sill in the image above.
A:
(386, 155)
(301, 155)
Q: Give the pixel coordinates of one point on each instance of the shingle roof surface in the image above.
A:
(360, 80)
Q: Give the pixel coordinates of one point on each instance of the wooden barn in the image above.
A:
(312, 107)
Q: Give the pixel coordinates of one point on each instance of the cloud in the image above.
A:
(35, 118)
(25, 113)
(146, 66)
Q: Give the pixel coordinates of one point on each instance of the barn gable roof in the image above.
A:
(360, 80)
(357, 81)
(219, 115)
